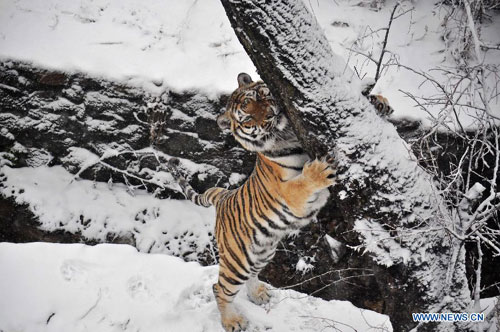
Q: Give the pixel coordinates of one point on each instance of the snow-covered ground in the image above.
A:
(57, 287)
(189, 44)
(99, 211)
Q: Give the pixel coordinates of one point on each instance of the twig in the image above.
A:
(379, 63)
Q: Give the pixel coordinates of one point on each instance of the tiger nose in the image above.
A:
(262, 113)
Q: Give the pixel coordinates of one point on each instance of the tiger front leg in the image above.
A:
(307, 191)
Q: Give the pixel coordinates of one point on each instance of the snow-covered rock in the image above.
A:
(95, 127)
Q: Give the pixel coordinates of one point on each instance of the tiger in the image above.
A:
(284, 193)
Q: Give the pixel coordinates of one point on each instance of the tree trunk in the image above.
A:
(383, 195)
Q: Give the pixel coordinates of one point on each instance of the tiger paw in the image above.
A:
(234, 322)
(320, 172)
(381, 105)
(259, 294)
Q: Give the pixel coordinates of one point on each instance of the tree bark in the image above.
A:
(383, 195)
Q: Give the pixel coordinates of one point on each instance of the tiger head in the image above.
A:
(254, 118)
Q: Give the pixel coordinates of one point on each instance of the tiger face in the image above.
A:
(254, 118)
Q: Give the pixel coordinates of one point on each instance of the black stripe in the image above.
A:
(260, 211)
(230, 280)
(241, 245)
(241, 218)
(287, 211)
(285, 166)
(263, 251)
(241, 208)
(284, 152)
(250, 186)
(226, 292)
(263, 167)
(259, 143)
(233, 269)
(267, 202)
(270, 206)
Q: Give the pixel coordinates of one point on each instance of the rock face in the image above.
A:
(94, 127)
(104, 131)
(70, 119)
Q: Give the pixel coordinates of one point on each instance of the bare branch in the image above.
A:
(379, 62)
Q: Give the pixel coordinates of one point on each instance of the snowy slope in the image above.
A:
(189, 44)
(55, 287)
(156, 44)
(101, 211)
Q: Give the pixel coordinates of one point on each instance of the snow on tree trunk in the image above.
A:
(383, 194)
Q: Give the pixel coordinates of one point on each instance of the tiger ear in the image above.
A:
(244, 79)
(223, 121)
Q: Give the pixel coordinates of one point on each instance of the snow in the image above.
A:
(189, 44)
(337, 248)
(58, 287)
(153, 44)
(377, 240)
(82, 157)
(475, 191)
(236, 178)
(100, 211)
(304, 264)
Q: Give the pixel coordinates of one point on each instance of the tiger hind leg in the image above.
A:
(258, 292)
(231, 319)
